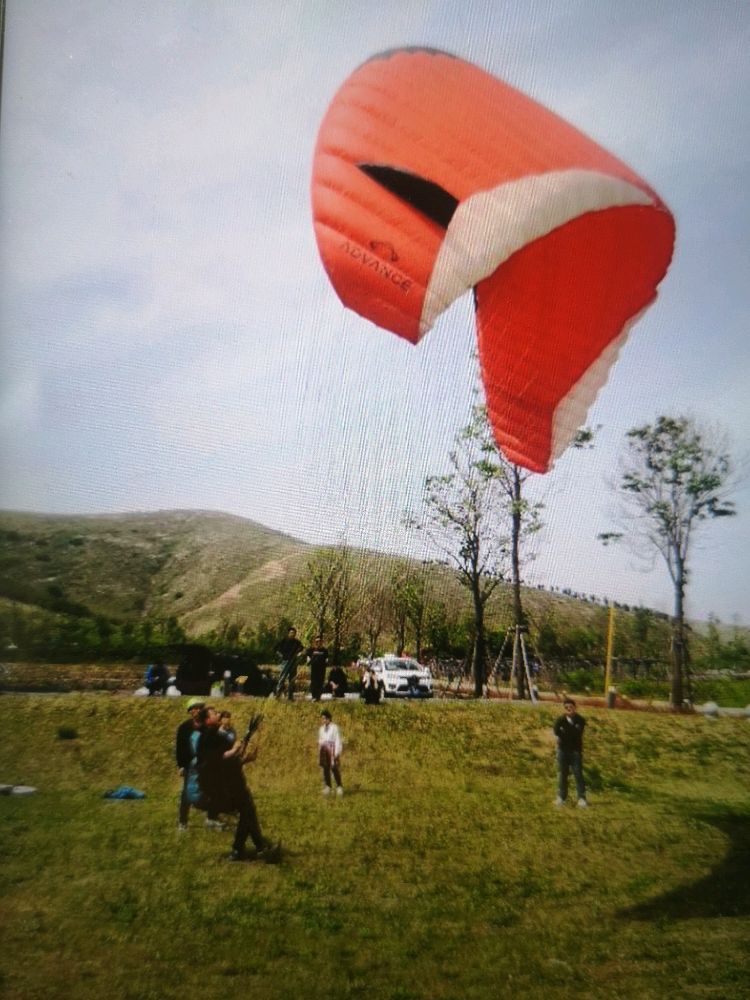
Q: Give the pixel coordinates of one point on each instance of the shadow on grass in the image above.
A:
(724, 892)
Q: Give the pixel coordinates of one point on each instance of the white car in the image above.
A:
(402, 677)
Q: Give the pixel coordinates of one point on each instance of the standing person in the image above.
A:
(288, 650)
(317, 657)
(568, 729)
(222, 782)
(329, 753)
(184, 747)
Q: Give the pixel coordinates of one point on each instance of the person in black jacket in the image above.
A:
(338, 683)
(317, 657)
(568, 729)
(288, 651)
(223, 786)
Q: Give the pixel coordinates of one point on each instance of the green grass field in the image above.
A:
(444, 873)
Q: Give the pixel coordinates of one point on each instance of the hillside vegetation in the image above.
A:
(127, 565)
(116, 584)
(195, 565)
(444, 873)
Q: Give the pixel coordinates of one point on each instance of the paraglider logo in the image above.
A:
(376, 264)
(480, 187)
(384, 250)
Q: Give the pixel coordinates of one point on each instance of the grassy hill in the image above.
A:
(129, 565)
(196, 565)
(444, 873)
(207, 570)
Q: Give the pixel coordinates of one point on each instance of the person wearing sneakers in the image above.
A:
(329, 753)
(186, 747)
(568, 729)
(222, 782)
(185, 737)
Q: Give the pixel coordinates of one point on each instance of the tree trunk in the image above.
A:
(400, 636)
(479, 645)
(519, 665)
(678, 640)
(518, 618)
(336, 652)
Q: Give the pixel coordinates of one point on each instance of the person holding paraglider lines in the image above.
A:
(223, 787)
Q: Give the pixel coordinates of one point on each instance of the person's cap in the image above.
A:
(195, 703)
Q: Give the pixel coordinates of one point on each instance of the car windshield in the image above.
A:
(401, 664)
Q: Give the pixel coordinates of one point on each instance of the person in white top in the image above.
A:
(329, 753)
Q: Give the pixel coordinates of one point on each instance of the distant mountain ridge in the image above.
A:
(207, 569)
(161, 563)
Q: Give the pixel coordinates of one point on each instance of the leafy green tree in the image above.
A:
(328, 594)
(525, 521)
(486, 522)
(172, 631)
(466, 518)
(411, 603)
(547, 641)
(713, 642)
(317, 586)
(398, 605)
(675, 476)
(343, 603)
(643, 622)
(374, 612)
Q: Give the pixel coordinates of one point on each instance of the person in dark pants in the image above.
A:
(372, 688)
(156, 678)
(329, 753)
(184, 746)
(186, 749)
(288, 650)
(338, 683)
(568, 729)
(317, 657)
(222, 783)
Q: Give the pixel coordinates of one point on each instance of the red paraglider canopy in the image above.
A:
(432, 177)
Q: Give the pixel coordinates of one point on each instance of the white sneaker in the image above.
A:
(326, 790)
(182, 827)
(559, 801)
(583, 804)
(339, 790)
(214, 824)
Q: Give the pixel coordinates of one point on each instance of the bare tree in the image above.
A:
(675, 476)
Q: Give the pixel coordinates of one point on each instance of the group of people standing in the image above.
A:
(211, 763)
(290, 651)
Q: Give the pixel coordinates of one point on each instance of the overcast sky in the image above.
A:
(170, 338)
